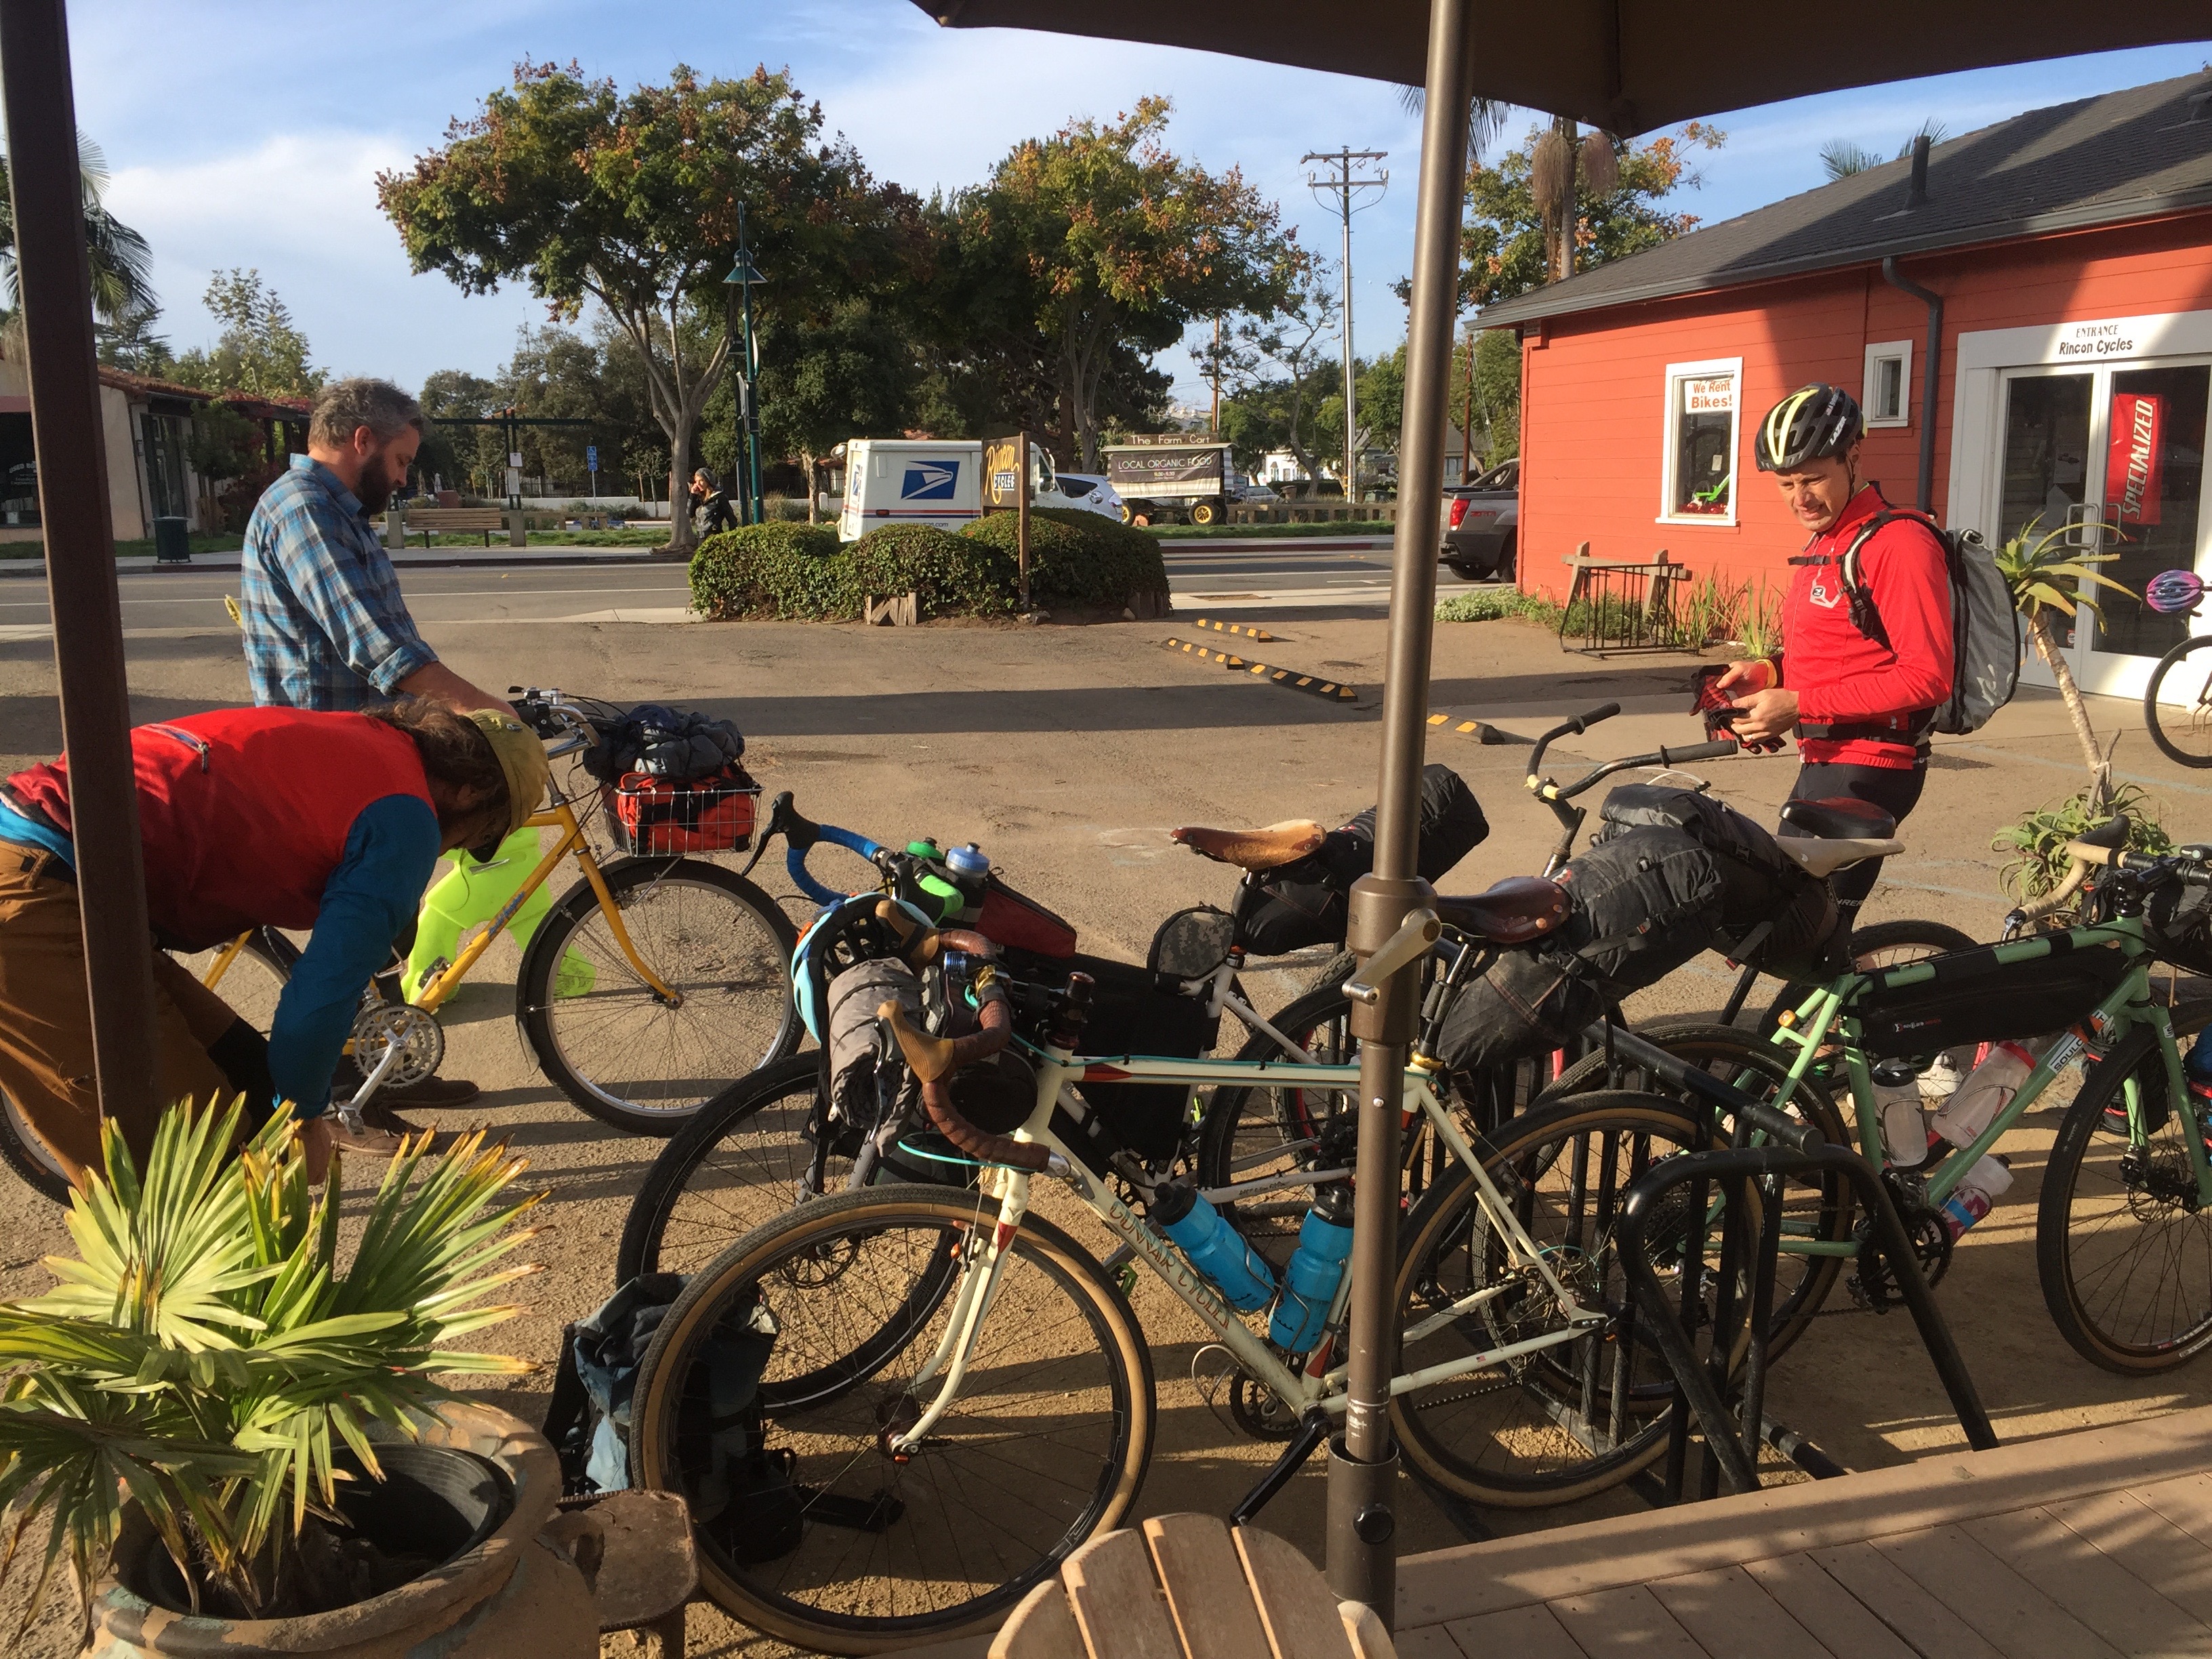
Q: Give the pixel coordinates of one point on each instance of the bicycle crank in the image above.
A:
(416, 1036)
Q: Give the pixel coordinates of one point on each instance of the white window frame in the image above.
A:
(1901, 349)
(1676, 373)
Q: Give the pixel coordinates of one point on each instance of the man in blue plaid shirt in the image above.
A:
(326, 626)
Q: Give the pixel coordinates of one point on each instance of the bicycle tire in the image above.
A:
(1730, 1052)
(2150, 1191)
(939, 1532)
(684, 1214)
(1907, 933)
(1541, 1458)
(2200, 702)
(740, 1018)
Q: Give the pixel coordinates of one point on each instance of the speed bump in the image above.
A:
(1290, 678)
(1480, 731)
(1260, 634)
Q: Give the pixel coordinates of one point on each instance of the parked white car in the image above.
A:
(1092, 492)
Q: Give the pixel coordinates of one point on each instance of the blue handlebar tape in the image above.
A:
(794, 861)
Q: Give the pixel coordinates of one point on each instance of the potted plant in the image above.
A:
(241, 1442)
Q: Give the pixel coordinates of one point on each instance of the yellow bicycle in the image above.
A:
(652, 985)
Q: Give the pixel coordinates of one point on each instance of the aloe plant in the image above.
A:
(207, 1355)
(2047, 577)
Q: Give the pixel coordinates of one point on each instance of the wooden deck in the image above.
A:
(2088, 1545)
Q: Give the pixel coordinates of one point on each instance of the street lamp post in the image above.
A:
(742, 277)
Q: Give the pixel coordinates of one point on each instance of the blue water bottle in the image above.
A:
(1311, 1279)
(1214, 1246)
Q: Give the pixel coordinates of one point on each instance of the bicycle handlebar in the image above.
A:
(801, 835)
(1573, 727)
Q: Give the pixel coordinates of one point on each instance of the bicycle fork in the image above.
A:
(979, 1287)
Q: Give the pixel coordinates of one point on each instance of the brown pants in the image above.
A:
(46, 1017)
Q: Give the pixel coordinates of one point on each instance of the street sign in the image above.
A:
(1002, 473)
(514, 458)
(591, 458)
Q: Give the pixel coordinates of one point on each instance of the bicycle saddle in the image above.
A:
(1515, 911)
(1840, 818)
(1255, 849)
(1824, 858)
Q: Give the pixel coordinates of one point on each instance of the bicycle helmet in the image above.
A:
(1812, 422)
(2171, 591)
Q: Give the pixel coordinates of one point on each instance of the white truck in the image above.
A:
(921, 481)
(1165, 477)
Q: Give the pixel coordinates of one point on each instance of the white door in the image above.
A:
(2117, 452)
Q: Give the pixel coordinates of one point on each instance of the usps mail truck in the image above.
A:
(917, 481)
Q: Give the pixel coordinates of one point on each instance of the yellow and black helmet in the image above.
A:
(1812, 422)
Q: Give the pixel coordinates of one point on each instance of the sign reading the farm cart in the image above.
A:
(1708, 394)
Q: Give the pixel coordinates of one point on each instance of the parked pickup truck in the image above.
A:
(1482, 521)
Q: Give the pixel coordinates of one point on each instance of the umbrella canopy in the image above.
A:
(1625, 65)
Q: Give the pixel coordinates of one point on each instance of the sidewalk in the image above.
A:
(487, 557)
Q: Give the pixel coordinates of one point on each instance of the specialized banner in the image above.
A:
(2135, 464)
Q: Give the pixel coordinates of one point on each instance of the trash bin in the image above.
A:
(171, 544)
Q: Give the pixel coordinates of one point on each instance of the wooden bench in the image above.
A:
(2085, 1544)
(402, 522)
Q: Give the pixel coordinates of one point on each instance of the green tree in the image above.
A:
(121, 263)
(1509, 244)
(1842, 157)
(260, 349)
(1106, 239)
(129, 343)
(1488, 404)
(224, 443)
(1273, 374)
(633, 201)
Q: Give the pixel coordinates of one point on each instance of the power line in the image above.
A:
(1343, 182)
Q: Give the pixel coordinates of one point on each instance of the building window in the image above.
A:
(1886, 397)
(1703, 417)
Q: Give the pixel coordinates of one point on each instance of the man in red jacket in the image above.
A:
(247, 818)
(1863, 665)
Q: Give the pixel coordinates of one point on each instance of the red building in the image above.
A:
(2050, 277)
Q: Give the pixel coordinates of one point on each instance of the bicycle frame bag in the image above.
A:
(1015, 920)
(1191, 944)
(1306, 901)
(1975, 998)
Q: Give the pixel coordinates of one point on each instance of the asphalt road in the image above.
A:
(643, 592)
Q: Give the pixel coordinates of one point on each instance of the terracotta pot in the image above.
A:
(511, 1597)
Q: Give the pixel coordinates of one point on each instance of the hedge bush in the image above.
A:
(803, 571)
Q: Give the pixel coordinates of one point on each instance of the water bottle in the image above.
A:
(926, 888)
(971, 874)
(1214, 1246)
(1897, 1100)
(1310, 1277)
(2197, 1064)
(1987, 1182)
(1987, 1090)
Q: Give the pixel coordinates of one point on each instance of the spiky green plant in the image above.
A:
(207, 1355)
(2037, 841)
(2046, 578)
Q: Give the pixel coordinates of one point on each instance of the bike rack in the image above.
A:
(1700, 1385)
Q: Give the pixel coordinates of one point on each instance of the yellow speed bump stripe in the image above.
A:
(1480, 731)
(1287, 677)
(1260, 634)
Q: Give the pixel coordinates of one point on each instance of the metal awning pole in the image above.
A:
(1363, 1463)
(56, 290)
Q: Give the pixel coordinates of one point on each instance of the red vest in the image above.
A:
(244, 813)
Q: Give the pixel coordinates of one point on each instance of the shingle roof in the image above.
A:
(2131, 154)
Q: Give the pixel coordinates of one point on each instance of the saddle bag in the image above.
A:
(1975, 998)
(1306, 901)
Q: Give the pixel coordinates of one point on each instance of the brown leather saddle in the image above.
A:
(1255, 849)
(1516, 910)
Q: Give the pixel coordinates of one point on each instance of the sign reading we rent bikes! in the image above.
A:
(1005, 483)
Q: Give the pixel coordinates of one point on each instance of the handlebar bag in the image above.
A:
(1305, 902)
(1976, 998)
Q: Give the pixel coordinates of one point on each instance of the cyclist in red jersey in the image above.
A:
(1858, 678)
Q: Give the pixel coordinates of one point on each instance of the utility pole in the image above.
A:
(1213, 427)
(1342, 178)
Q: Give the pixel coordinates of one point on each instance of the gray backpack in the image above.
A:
(1985, 625)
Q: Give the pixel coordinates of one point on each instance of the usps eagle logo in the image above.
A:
(930, 481)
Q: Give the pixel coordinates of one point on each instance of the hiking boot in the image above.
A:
(367, 1141)
(432, 1094)
(378, 1115)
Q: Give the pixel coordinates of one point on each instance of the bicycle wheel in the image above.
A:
(2183, 732)
(743, 1160)
(1881, 944)
(613, 1044)
(1253, 1131)
(253, 979)
(2121, 1248)
(1045, 1445)
(1584, 1415)
(1812, 1209)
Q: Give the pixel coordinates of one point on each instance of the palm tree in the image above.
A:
(2048, 578)
(1842, 157)
(122, 264)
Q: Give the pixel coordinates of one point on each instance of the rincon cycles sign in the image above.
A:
(2107, 339)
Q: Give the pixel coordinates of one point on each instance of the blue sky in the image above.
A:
(245, 133)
